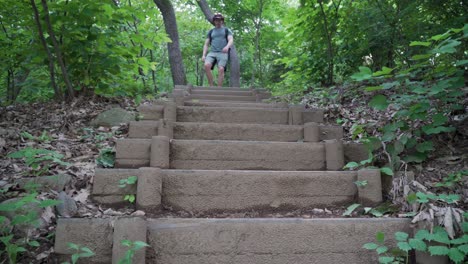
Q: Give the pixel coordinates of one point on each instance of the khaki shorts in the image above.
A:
(217, 57)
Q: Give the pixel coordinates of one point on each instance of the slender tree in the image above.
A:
(234, 79)
(57, 91)
(70, 91)
(175, 56)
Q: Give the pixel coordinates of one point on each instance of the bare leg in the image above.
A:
(209, 75)
(220, 76)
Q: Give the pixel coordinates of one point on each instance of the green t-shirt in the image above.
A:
(218, 38)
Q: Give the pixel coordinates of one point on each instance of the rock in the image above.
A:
(138, 213)
(27, 208)
(318, 211)
(45, 183)
(2, 143)
(3, 183)
(113, 117)
(68, 206)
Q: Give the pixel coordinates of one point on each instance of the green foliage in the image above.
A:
(133, 246)
(424, 94)
(456, 249)
(39, 160)
(106, 158)
(131, 180)
(452, 179)
(44, 137)
(23, 216)
(79, 252)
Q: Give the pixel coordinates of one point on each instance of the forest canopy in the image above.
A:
(62, 49)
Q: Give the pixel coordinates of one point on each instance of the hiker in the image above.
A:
(221, 40)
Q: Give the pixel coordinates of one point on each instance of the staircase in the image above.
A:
(209, 151)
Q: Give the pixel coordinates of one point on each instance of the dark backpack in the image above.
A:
(226, 33)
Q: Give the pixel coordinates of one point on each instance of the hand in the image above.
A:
(203, 58)
(225, 49)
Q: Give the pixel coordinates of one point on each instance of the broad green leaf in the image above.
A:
(86, 252)
(425, 146)
(447, 48)
(417, 244)
(461, 62)
(381, 249)
(390, 85)
(373, 88)
(384, 71)
(350, 209)
(139, 245)
(126, 243)
(376, 213)
(388, 136)
(423, 234)
(438, 250)
(430, 130)
(380, 236)
(463, 248)
(439, 119)
(420, 43)
(73, 246)
(398, 147)
(370, 246)
(401, 236)
(416, 157)
(421, 56)
(385, 260)
(405, 246)
(364, 74)
(411, 198)
(440, 36)
(455, 255)
(461, 240)
(351, 165)
(132, 179)
(33, 243)
(387, 170)
(379, 102)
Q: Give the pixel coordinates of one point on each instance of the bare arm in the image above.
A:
(205, 48)
(229, 44)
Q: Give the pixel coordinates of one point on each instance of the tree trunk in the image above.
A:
(58, 52)
(329, 46)
(175, 56)
(57, 91)
(234, 76)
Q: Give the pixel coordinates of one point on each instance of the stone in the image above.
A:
(68, 206)
(113, 117)
(45, 183)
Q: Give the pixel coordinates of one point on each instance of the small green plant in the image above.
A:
(131, 180)
(80, 252)
(452, 179)
(106, 158)
(367, 164)
(44, 137)
(133, 246)
(378, 211)
(455, 249)
(389, 255)
(39, 160)
(22, 216)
